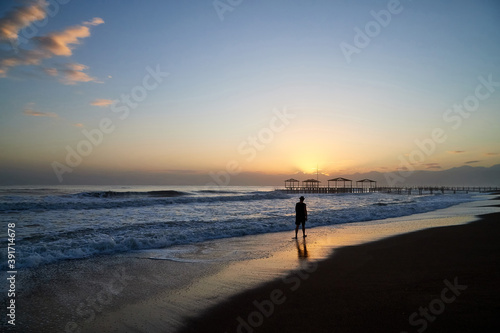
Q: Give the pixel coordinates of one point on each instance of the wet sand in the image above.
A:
(443, 279)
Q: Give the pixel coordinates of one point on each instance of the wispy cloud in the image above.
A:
(73, 73)
(21, 17)
(102, 102)
(432, 166)
(70, 73)
(62, 43)
(79, 125)
(21, 58)
(30, 111)
(471, 162)
(51, 71)
(184, 172)
(95, 21)
(456, 151)
(491, 154)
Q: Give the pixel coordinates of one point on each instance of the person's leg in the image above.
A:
(303, 229)
(296, 230)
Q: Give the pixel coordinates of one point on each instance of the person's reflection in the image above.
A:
(302, 249)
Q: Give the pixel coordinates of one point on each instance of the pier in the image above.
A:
(343, 185)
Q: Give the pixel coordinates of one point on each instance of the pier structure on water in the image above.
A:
(344, 185)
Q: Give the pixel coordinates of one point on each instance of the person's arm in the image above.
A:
(305, 211)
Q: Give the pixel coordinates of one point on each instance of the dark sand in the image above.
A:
(444, 279)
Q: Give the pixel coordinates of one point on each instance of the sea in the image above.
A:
(56, 223)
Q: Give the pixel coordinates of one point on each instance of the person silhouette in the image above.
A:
(300, 216)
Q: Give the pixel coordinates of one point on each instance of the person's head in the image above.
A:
(301, 199)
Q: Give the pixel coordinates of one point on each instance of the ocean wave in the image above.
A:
(131, 194)
(218, 192)
(111, 200)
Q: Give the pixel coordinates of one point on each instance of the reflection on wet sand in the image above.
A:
(302, 249)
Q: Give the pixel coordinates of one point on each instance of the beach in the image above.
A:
(443, 279)
(374, 273)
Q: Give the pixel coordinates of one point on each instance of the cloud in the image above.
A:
(59, 43)
(63, 42)
(491, 154)
(72, 73)
(456, 151)
(30, 111)
(102, 102)
(184, 172)
(21, 17)
(51, 71)
(95, 21)
(471, 162)
(22, 58)
(80, 125)
(432, 166)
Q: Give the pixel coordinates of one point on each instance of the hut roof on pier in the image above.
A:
(311, 181)
(290, 183)
(366, 181)
(370, 183)
(339, 179)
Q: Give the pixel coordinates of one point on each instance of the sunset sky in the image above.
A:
(256, 86)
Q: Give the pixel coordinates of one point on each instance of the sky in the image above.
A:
(212, 90)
